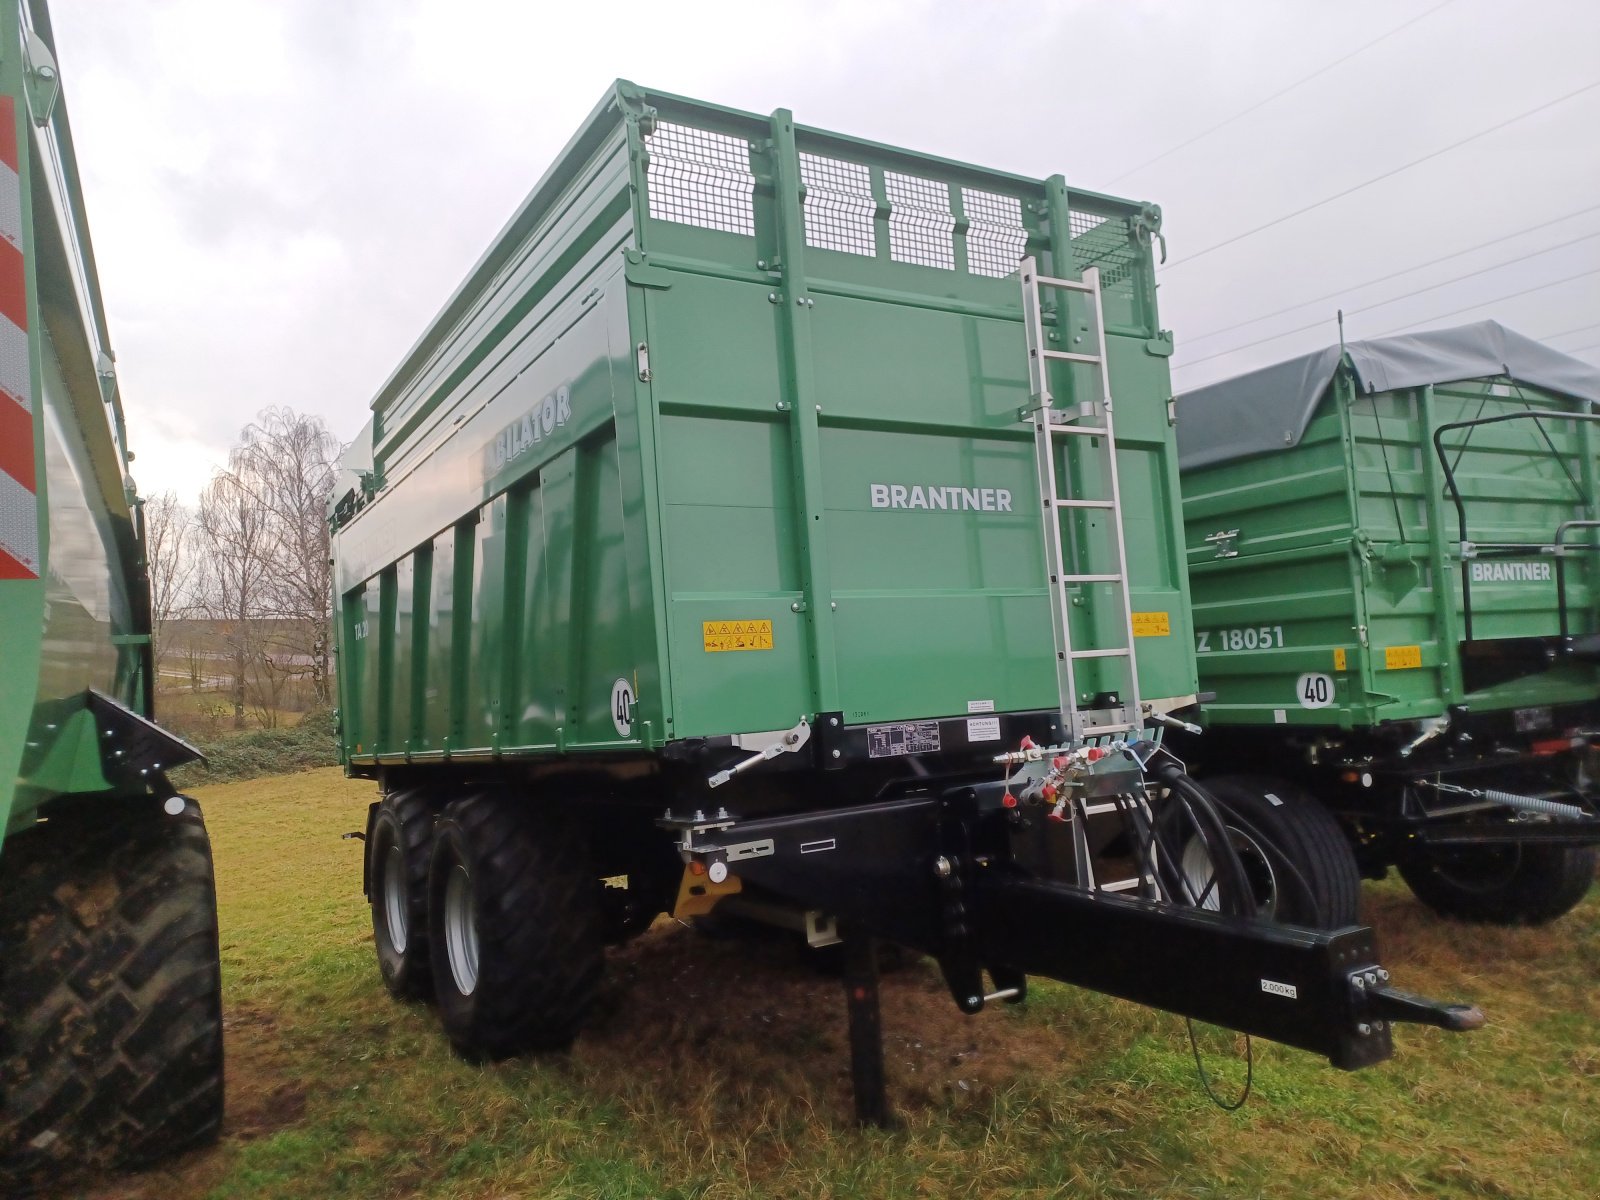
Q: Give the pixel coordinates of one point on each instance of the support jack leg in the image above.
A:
(866, 1028)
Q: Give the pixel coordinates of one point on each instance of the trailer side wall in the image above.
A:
(1346, 564)
(755, 390)
(73, 601)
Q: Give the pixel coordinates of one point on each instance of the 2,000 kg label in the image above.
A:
(908, 737)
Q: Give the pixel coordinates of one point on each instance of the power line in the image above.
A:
(1522, 116)
(1583, 349)
(1577, 329)
(1539, 287)
(1432, 287)
(1205, 133)
(1423, 321)
(1432, 262)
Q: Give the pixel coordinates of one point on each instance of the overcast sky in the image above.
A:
(283, 192)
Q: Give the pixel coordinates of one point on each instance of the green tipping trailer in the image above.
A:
(110, 989)
(698, 541)
(1393, 551)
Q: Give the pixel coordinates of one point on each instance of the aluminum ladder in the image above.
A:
(1091, 422)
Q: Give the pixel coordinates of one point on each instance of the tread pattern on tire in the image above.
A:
(1312, 838)
(407, 976)
(539, 927)
(110, 991)
(1548, 882)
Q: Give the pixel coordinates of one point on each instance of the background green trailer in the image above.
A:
(1392, 546)
(109, 983)
(700, 541)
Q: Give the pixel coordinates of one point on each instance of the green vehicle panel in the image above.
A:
(724, 431)
(73, 605)
(107, 899)
(1328, 575)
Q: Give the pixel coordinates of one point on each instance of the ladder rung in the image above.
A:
(1071, 356)
(1085, 504)
(1114, 652)
(1074, 285)
(1091, 430)
(1065, 579)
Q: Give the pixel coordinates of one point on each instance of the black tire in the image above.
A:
(110, 991)
(1505, 884)
(398, 852)
(1300, 864)
(511, 891)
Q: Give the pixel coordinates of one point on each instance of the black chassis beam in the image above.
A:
(1454, 834)
(1281, 982)
(906, 870)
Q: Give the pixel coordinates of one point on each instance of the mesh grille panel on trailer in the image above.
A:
(921, 226)
(996, 237)
(839, 206)
(1104, 242)
(701, 178)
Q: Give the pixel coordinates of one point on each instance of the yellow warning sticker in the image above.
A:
(736, 635)
(1151, 624)
(1401, 658)
(1339, 663)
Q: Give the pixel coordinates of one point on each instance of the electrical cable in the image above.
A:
(1205, 133)
(1539, 287)
(1393, 171)
(1575, 329)
(1432, 262)
(1432, 287)
(1411, 324)
(1205, 1077)
(1190, 794)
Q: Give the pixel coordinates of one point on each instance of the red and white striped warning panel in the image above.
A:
(19, 499)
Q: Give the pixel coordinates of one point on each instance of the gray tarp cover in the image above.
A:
(1270, 408)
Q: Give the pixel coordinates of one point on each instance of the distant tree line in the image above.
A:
(241, 584)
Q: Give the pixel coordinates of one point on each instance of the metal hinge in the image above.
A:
(43, 80)
(1223, 541)
(644, 362)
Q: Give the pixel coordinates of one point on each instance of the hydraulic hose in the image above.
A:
(1202, 809)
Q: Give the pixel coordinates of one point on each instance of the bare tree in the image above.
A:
(234, 527)
(170, 562)
(291, 460)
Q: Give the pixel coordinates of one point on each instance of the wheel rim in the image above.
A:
(1197, 869)
(396, 918)
(460, 930)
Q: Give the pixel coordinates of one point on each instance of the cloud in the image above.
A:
(283, 192)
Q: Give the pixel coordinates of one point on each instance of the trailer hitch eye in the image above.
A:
(1384, 1003)
(1393, 1004)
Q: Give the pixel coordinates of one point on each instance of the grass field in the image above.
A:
(711, 1075)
